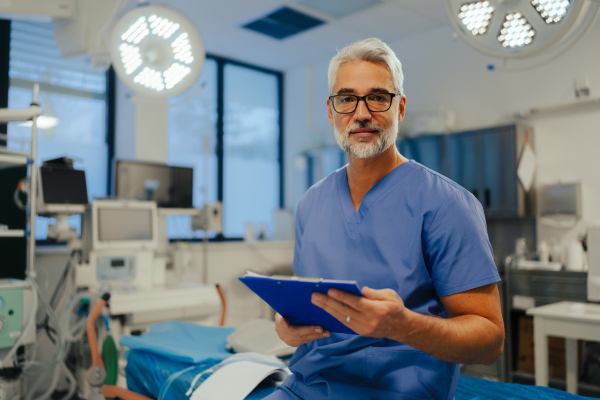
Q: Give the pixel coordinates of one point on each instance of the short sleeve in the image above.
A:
(456, 247)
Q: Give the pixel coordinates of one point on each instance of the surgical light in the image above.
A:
(516, 31)
(538, 30)
(476, 16)
(157, 51)
(552, 11)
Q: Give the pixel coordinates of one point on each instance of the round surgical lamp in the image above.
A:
(156, 51)
(516, 29)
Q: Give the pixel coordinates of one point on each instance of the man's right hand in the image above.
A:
(295, 335)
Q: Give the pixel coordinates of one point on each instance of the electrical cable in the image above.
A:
(58, 291)
(22, 187)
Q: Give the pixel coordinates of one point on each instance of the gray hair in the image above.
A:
(372, 50)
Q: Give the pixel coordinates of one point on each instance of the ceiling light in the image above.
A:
(525, 36)
(552, 11)
(516, 31)
(42, 122)
(157, 51)
(476, 16)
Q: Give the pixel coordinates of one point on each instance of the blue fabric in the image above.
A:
(481, 389)
(182, 341)
(417, 233)
(163, 363)
(161, 376)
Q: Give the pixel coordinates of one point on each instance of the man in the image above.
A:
(414, 239)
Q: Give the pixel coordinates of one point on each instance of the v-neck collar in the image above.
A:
(354, 218)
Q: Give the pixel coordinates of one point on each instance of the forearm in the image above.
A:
(470, 339)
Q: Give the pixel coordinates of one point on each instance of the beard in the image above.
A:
(366, 147)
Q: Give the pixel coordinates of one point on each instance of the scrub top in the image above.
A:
(416, 232)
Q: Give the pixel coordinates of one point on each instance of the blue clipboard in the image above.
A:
(290, 297)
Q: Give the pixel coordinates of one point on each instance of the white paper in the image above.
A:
(254, 274)
(527, 166)
(235, 381)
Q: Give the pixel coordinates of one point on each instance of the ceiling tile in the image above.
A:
(388, 22)
(432, 9)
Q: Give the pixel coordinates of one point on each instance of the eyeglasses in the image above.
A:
(375, 102)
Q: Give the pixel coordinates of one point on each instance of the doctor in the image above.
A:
(416, 240)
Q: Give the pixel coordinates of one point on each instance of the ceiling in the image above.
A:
(220, 25)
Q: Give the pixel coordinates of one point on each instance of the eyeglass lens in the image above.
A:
(375, 102)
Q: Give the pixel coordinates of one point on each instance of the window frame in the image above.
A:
(110, 98)
(111, 125)
(220, 147)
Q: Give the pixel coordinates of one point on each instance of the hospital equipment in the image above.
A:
(119, 241)
(167, 185)
(155, 50)
(62, 192)
(96, 374)
(28, 114)
(523, 28)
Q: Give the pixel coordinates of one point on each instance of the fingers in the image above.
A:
(339, 310)
(382, 294)
(349, 299)
(295, 335)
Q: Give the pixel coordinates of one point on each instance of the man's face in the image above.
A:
(365, 134)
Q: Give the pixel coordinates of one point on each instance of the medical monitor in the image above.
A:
(118, 224)
(61, 190)
(168, 186)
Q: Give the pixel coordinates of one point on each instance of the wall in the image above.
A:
(442, 72)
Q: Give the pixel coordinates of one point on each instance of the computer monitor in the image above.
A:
(119, 224)
(168, 186)
(61, 190)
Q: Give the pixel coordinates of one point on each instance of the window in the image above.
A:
(251, 156)
(192, 142)
(230, 132)
(71, 93)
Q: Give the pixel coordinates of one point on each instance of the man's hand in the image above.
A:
(378, 314)
(473, 333)
(296, 335)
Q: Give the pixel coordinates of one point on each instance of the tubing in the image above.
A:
(223, 305)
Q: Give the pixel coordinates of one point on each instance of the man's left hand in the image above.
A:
(380, 313)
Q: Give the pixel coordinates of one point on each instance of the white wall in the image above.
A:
(443, 72)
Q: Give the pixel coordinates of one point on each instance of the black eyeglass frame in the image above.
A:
(363, 98)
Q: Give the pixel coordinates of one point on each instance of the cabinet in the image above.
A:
(426, 149)
(483, 161)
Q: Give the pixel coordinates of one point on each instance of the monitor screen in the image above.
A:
(167, 186)
(63, 186)
(115, 224)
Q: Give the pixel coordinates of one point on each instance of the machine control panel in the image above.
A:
(115, 268)
(11, 316)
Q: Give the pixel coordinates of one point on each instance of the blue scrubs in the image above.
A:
(417, 233)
